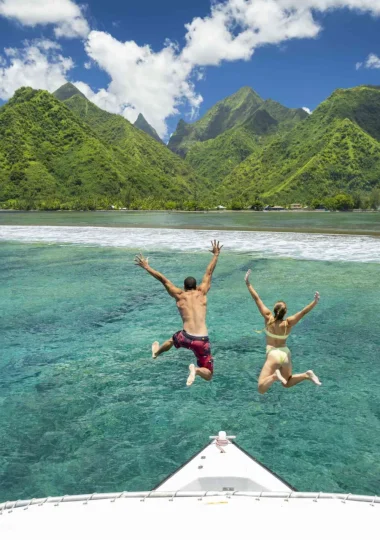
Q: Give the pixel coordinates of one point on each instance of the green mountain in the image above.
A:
(225, 115)
(163, 173)
(261, 123)
(214, 159)
(142, 124)
(244, 108)
(74, 150)
(68, 153)
(336, 149)
(286, 118)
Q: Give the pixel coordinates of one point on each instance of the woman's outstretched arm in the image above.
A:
(265, 312)
(294, 319)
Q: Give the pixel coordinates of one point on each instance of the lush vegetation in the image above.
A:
(63, 152)
(287, 118)
(51, 156)
(216, 158)
(142, 124)
(335, 150)
(150, 163)
(245, 109)
(225, 115)
(255, 126)
(345, 202)
(107, 203)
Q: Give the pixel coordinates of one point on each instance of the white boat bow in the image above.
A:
(223, 466)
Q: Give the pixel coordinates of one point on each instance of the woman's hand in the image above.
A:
(246, 279)
(142, 261)
(317, 297)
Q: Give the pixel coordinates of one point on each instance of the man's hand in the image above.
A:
(215, 247)
(317, 297)
(246, 279)
(141, 261)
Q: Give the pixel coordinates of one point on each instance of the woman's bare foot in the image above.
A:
(192, 375)
(155, 348)
(312, 376)
(279, 377)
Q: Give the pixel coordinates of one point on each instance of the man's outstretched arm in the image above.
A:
(169, 286)
(206, 282)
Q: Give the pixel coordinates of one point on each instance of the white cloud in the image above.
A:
(66, 16)
(372, 62)
(38, 64)
(107, 101)
(44, 44)
(306, 109)
(235, 28)
(155, 83)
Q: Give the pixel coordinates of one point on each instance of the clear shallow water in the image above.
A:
(84, 408)
(350, 222)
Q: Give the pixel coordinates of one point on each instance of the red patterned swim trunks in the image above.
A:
(199, 345)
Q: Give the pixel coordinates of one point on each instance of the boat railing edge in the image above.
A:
(145, 495)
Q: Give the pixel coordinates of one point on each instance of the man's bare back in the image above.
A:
(192, 306)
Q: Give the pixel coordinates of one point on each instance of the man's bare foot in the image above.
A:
(155, 348)
(279, 377)
(312, 376)
(192, 375)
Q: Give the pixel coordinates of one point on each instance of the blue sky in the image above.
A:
(234, 44)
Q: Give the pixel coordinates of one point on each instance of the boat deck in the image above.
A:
(221, 491)
(193, 515)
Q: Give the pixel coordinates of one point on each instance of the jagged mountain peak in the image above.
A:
(246, 91)
(67, 91)
(144, 125)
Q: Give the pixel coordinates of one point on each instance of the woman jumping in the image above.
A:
(278, 364)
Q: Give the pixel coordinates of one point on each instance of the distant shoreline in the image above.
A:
(213, 211)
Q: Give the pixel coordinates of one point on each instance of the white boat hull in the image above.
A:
(221, 491)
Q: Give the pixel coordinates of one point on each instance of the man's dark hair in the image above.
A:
(190, 284)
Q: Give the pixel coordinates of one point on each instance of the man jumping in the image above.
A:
(192, 306)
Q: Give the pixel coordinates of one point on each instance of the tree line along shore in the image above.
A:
(340, 202)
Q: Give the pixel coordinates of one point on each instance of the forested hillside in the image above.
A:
(230, 131)
(51, 156)
(62, 151)
(335, 150)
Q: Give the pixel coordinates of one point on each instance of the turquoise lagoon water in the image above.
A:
(84, 409)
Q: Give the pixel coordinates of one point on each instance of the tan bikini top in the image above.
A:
(276, 336)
